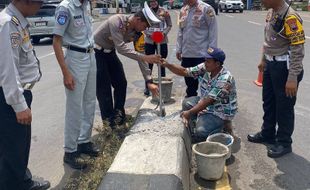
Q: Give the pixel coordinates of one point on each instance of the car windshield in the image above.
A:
(48, 11)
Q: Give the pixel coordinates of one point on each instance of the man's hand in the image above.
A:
(163, 62)
(151, 59)
(24, 117)
(291, 88)
(69, 81)
(185, 117)
(153, 88)
(179, 56)
(261, 66)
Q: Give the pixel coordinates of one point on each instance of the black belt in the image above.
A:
(78, 49)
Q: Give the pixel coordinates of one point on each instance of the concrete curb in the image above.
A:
(155, 155)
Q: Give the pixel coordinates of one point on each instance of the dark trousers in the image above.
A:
(150, 49)
(110, 73)
(278, 108)
(191, 83)
(15, 141)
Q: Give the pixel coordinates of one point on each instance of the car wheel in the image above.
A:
(241, 10)
(35, 40)
(221, 10)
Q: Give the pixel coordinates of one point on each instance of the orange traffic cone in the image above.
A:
(259, 81)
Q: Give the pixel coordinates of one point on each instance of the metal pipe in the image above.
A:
(161, 108)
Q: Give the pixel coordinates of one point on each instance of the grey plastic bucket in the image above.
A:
(224, 139)
(210, 159)
(166, 85)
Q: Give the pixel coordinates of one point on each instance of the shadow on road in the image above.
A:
(68, 174)
(296, 172)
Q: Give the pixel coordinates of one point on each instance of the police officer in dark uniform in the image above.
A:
(283, 52)
(19, 71)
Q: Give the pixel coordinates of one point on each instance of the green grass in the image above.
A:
(109, 142)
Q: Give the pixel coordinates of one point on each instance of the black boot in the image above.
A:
(71, 158)
(258, 138)
(119, 117)
(278, 150)
(42, 185)
(89, 149)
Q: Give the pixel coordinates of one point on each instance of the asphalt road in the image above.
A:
(241, 37)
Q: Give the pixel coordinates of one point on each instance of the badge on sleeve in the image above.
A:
(15, 39)
(210, 13)
(62, 18)
(292, 23)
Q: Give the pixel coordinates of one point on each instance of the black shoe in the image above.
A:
(277, 150)
(146, 92)
(119, 117)
(72, 159)
(42, 185)
(258, 138)
(89, 149)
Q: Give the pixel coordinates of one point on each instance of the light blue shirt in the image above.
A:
(73, 23)
(18, 63)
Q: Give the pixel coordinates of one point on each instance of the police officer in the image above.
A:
(115, 34)
(19, 71)
(283, 52)
(73, 30)
(197, 32)
(164, 26)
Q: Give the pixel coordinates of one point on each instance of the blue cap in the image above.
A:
(215, 53)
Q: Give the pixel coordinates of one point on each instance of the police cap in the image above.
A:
(149, 15)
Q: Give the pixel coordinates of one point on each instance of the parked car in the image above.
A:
(177, 5)
(135, 7)
(42, 24)
(214, 4)
(234, 5)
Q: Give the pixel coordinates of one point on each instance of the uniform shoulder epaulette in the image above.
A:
(15, 20)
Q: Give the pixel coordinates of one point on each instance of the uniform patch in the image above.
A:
(210, 13)
(294, 30)
(15, 39)
(62, 18)
(292, 23)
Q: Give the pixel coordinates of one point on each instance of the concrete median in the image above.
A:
(155, 155)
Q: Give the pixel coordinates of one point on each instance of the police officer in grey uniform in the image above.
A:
(114, 34)
(19, 71)
(197, 32)
(283, 52)
(73, 30)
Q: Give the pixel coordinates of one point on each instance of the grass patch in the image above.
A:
(109, 143)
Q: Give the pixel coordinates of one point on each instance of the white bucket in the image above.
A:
(224, 139)
(210, 158)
